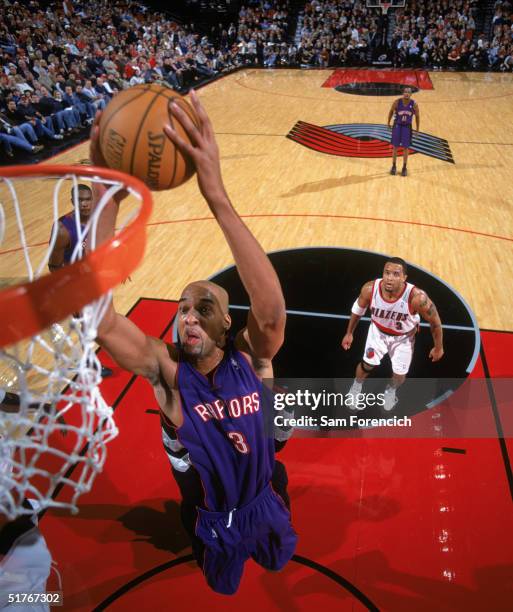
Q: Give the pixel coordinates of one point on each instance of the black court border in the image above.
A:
(476, 329)
(340, 580)
(498, 423)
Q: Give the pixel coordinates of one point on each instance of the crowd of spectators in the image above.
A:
(442, 35)
(260, 35)
(337, 33)
(60, 63)
(500, 50)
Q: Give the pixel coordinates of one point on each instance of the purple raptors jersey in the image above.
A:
(404, 113)
(70, 224)
(223, 430)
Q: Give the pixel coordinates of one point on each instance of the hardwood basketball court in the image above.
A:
(452, 219)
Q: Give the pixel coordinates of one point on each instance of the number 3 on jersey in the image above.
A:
(239, 441)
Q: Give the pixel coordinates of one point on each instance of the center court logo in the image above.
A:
(364, 140)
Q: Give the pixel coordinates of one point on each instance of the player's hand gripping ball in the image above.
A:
(132, 139)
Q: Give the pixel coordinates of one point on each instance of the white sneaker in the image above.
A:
(354, 394)
(390, 399)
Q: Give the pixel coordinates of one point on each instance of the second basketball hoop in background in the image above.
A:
(132, 138)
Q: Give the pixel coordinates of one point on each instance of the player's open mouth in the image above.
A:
(192, 338)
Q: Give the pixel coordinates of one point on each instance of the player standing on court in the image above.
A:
(68, 235)
(403, 110)
(209, 388)
(396, 307)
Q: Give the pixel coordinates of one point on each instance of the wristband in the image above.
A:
(358, 310)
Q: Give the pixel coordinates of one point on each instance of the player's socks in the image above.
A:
(393, 169)
(404, 171)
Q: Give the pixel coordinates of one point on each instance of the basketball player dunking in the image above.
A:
(396, 307)
(209, 388)
(403, 110)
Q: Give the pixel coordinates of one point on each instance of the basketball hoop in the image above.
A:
(384, 6)
(56, 433)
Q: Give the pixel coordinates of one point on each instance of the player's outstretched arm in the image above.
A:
(266, 320)
(129, 346)
(357, 312)
(427, 310)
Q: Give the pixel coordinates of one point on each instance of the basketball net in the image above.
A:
(54, 422)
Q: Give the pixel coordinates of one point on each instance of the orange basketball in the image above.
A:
(132, 138)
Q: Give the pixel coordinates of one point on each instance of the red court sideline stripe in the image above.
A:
(355, 217)
(319, 216)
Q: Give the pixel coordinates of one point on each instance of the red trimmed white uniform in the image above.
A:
(392, 329)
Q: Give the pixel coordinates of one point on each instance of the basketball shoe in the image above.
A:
(390, 399)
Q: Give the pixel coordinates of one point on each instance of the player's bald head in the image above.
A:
(209, 290)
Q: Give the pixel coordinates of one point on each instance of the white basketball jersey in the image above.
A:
(393, 317)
